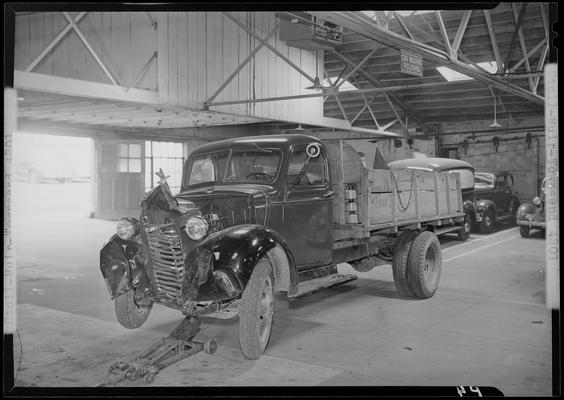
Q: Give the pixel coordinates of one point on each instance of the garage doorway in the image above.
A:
(52, 177)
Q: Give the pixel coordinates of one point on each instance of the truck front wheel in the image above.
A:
(256, 311)
(424, 265)
(399, 262)
(129, 314)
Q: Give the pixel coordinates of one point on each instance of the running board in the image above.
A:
(317, 284)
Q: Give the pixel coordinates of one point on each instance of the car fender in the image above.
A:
(123, 265)
(235, 251)
(524, 209)
(483, 205)
(113, 264)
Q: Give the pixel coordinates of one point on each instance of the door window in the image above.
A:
(305, 171)
(500, 181)
(128, 158)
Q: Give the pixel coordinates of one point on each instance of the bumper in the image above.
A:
(532, 224)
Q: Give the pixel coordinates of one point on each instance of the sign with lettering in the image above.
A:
(411, 63)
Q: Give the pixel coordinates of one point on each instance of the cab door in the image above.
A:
(502, 194)
(307, 214)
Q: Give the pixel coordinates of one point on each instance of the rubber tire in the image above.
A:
(464, 235)
(514, 205)
(422, 284)
(524, 230)
(128, 313)
(210, 346)
(399, 262)
(261, 284)
(484, 227)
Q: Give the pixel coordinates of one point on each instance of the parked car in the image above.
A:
(466, 172)
(531, 215)
(495, 200)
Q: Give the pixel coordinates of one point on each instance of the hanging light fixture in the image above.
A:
(494, 123)
(316, 82)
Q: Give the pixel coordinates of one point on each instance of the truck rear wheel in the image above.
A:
(256, 311)
(424, 265)
(524, 230)
(399, 262)
(129, 314)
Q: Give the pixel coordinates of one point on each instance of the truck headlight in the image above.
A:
(126, 229)
(537, 201)
(196, 228)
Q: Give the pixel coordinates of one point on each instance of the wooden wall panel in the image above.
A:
(197, 52)
(123, 41)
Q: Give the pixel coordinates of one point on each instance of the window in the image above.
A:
(304, 171)
(253, 165)
(128, 158)
(500, 181)
(483, 179)
(466, 178)
(452, 76)
(166, 156)
(344, 87)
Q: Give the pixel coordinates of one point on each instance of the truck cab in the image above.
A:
(281, 182)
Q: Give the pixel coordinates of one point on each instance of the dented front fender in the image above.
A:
(113, 264)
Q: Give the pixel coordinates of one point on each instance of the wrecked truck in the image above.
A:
(267, 214)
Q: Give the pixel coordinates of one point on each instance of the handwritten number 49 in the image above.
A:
(473, 389)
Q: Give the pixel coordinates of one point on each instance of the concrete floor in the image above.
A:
(487, 325)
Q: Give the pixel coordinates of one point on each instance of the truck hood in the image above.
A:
(232, 204)
(223, 190)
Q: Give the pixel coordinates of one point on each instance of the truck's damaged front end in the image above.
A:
(166, 256)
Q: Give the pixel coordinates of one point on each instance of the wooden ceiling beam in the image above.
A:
(493, 40)
(358, 22)
(517, 26)
(378, 84)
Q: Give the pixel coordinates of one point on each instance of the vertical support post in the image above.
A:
(437, 206)
(552, 195)
(416, 194)
(394, 197)
(10, 126)
(447, 189)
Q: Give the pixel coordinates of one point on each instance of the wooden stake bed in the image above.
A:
(389, 199)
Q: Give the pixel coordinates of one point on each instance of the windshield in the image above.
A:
(466, 178)
(483, 180)
(255, 165)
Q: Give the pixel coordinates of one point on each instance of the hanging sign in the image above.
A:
(411, 63)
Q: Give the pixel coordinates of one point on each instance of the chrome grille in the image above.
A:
(165, 250)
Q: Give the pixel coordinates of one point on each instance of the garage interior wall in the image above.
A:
(525, 161)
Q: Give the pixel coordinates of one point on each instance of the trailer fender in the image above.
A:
(232, 255)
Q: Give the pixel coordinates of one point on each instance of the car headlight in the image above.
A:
(537, 201)
(196, 228)
(126, 229)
